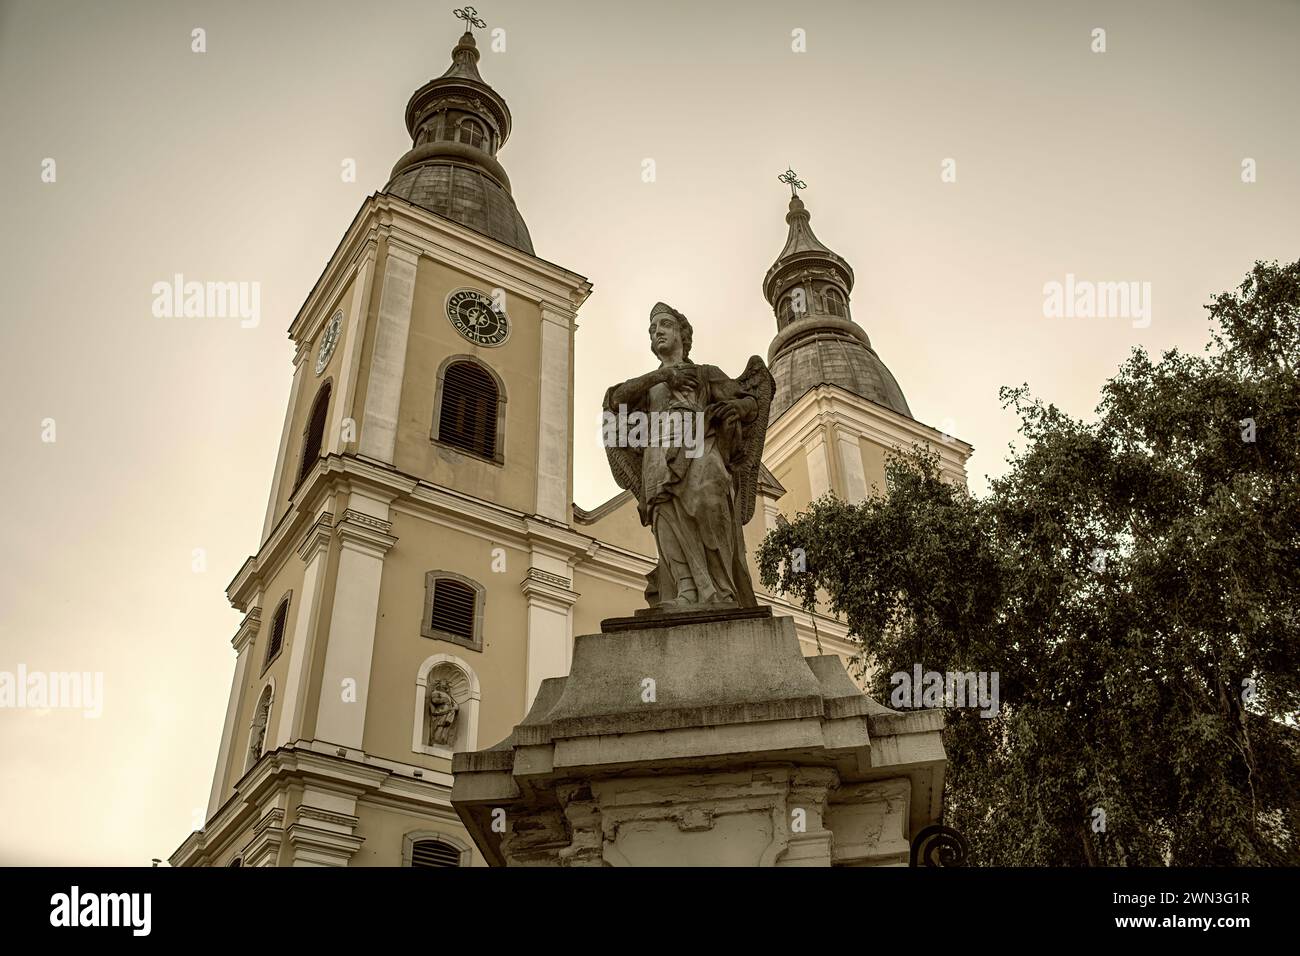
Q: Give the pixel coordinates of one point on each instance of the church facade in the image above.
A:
(422, 566)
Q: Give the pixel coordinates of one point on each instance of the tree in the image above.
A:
(1135, 583)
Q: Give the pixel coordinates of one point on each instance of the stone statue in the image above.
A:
(443, 711)
(687, 441)
(257, 736)
(258, 739)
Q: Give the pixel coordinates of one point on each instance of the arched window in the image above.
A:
(470, 409)
(453, 609)
(258, 729)
(435, 125)
(313, 436)
(835, 303)
(432, 848)
(786, 311)
(275, 639)
(470, 133)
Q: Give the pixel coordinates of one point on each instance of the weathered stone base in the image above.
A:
(705, 743)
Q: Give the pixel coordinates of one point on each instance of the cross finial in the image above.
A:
(470, 16)
(793, 181)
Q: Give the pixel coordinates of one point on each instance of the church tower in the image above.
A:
(422, 567)
(838, 411)
(415, 579)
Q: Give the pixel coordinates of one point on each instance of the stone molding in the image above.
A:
(749, 754)
(316, 538)
(248, 628)
(379, 782)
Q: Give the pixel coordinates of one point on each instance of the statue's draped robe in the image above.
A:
(691, 503)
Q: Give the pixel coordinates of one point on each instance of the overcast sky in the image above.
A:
(225, 165)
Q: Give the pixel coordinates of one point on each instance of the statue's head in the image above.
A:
(669, 329)
(440, 687)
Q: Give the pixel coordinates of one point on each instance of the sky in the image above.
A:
(960, 156)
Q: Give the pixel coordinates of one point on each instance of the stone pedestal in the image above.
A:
(703, 741)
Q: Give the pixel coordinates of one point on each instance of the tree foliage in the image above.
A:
(1134, 581)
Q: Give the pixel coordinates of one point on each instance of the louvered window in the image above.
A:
(467, 416)
(434, 853)
(314, 436)
(276, 639)
(453, 608)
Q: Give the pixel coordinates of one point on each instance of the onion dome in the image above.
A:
(817, 342)
(457, 123)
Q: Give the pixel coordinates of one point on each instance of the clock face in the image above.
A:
(471, 312)
(329, 339)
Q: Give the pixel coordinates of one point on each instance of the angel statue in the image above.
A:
(442, 714)
(694, 469)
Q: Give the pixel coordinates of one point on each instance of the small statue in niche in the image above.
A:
(256, 742)
(443, 711)
(257, 737)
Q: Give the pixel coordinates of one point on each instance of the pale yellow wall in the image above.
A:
(873, 464)
(622, 528)
(793, 476)
(602, 598)
(400, 648)
(384, 830)
(431, 340)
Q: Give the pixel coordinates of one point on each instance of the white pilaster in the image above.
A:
(388, 362)
(855, 477)
(819, 471)
(314, 550)
(548, 589)
(554, 410)
(771, 511)
(351, 361)
(345, 684)
(242, 642)
(322, 833)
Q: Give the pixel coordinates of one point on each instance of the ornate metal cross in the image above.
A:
(470, 16)
(793, 181)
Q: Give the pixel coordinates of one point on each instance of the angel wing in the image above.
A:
(757, 381)
(624, 463)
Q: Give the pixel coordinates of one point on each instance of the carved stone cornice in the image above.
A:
(365, 533)
(315, 846)
(317, 537)
(268, 833)
(325, 816)
(368, 521)
(539, 584)
(248, 629)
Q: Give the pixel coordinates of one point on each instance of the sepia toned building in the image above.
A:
(423, 567)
